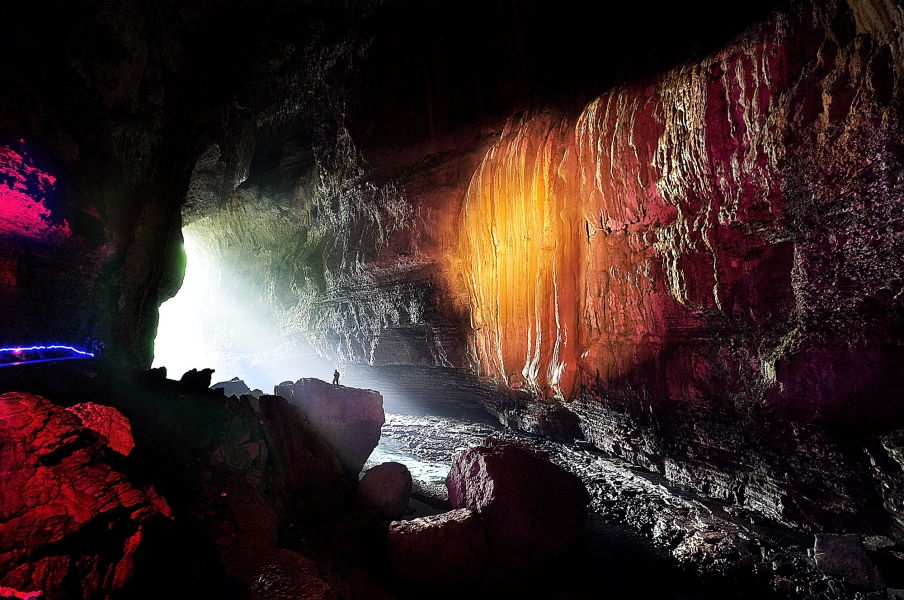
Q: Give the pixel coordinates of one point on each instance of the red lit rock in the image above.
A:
(449, 548)
(385, 489)
(11, 594)
(531, 509)
(348, 419)
(69, 524)
(108, 422)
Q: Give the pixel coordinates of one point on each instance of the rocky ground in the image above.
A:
(715, 540)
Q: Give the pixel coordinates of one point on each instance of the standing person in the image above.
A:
(336, 377)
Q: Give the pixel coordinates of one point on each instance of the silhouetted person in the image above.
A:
(336, 377)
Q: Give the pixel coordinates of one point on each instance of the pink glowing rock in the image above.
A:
(108, 422)
(23, 188)
(11, 594)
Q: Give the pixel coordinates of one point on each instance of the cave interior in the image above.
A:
(634, 272)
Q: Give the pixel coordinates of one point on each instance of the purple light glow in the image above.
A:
(21, 349)
(18, 355)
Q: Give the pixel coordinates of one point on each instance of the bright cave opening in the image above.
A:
(218, 321)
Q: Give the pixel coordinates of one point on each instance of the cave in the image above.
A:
(614, 293)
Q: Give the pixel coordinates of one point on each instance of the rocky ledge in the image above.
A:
(125, 481)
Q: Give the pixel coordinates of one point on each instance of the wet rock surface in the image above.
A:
(715, 539)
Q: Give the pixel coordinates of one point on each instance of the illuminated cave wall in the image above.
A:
(44, 265)
(730, 229)
(731, 237)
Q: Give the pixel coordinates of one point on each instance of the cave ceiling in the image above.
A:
(290, 111)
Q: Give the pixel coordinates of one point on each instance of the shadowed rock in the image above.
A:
(531, 509)
(385, 489)
(450, 548)
(844, 556)
(274, 573)
(348, 419)
(199, 380)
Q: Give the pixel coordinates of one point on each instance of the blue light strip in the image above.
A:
(20, 349)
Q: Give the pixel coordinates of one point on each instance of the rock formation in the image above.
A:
(70, 524)
(531, 509)
(252, 498)
(108, 423)
(446, 549)
(347, 419)
(385, 489)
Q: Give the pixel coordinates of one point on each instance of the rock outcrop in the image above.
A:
(106, 422)
(257, 498)
(348, 419)
(844, 556)
(385, 489)
(446, 549)
(531, 509)
(70, 525)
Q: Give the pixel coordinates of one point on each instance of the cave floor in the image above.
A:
(644, 538)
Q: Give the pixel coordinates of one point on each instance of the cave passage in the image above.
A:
(217, 321)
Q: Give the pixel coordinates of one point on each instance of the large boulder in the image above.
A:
(385, 489)
(348, 419)
(69, 524)
(531, 509)
(844, 556)
(449, 548)
(303, 460)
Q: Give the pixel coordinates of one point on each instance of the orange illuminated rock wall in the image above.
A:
(692, 234)
(521, 245)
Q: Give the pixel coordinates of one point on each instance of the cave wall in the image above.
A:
(698, 270)
(707, 269)
(753, 195)
(336, 194)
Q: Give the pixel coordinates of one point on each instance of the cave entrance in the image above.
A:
(220, 320)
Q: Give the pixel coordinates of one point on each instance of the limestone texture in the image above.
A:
(70, 524)
(107, 422)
